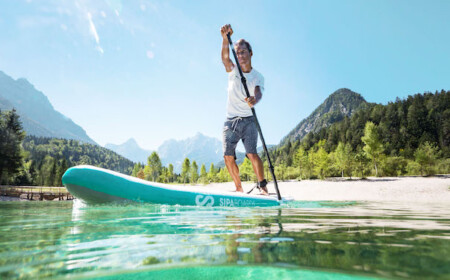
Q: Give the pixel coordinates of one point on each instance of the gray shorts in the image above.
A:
(239, 129)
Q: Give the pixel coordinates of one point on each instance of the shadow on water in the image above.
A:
(307, 240)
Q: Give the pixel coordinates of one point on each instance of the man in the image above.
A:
(240, 123)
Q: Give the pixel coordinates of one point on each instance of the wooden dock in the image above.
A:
(36, 192)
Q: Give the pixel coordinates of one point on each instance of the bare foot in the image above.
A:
(263, 190)
(239, 189)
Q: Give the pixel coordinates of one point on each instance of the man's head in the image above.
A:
(244, 51)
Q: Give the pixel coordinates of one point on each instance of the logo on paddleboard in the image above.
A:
(204, 200)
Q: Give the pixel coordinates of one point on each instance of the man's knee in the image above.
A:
(253, 157)
(229, 159)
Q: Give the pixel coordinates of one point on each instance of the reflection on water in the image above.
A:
(308, 240)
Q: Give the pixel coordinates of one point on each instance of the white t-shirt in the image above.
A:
(236, 105)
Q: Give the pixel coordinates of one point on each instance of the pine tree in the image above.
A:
(185, 168)
(11, 137)
(170, 173)
(136, 169)
(60, 170)
(203, 174)
(212, 173)
(194, 172)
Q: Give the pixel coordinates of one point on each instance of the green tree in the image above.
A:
(185, 168)
(11, 137)
(361, 162)
(223, 175)
(393, 166)
(212, 174)
(203, 175)
(343, 158)
(154, 166)
(170, 173)
(280, 171)
(373, 146)
(194, 172)
(246, 170)
(61, 169)
(136, 169)
(426, 156)
(302, 163)
(321, 164)
(164, 177)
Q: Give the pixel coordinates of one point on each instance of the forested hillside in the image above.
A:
(402, 134)
(31, 160)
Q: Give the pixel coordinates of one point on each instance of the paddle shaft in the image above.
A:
(244, 83)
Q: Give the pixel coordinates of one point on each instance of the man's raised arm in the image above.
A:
(225, 47)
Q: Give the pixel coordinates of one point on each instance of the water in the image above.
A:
(306, 240)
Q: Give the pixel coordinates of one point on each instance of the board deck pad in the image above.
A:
(97, 185)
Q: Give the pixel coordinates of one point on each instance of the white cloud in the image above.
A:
(150, 55)
(103, 14)
(92, 28)
(94, 33)
(63, 26)
(99, 49)
(143, 7)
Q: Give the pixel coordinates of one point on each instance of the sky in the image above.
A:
(152, 70)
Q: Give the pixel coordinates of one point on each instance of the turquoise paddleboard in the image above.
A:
(97, 185)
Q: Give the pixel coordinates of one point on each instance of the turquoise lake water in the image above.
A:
(304, 240)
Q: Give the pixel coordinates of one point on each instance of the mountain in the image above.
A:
(131, 150)
(201, 148)
(36, 113)
(343, 102)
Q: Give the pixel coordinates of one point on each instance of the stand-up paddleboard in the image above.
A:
(97, 185)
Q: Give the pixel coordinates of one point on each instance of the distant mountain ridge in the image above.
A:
(36, 113)
(131, 150)
(343, 102)
(200, 148)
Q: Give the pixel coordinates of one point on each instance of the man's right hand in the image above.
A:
(225, 30)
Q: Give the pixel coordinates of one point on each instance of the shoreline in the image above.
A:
(433, 189)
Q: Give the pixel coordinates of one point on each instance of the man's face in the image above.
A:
(244, 56)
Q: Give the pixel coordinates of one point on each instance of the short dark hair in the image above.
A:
(243, 42)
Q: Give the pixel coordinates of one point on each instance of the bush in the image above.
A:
(413, 168)
(394, 166)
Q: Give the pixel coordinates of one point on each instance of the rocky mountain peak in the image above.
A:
(343, 102)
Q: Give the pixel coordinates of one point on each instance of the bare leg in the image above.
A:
(258, 167)
(233, 169)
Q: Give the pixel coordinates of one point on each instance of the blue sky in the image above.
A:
(151, 70)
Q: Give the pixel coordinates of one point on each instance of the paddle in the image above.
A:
(244, 83)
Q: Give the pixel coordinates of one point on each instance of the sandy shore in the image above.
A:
(405, 189)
